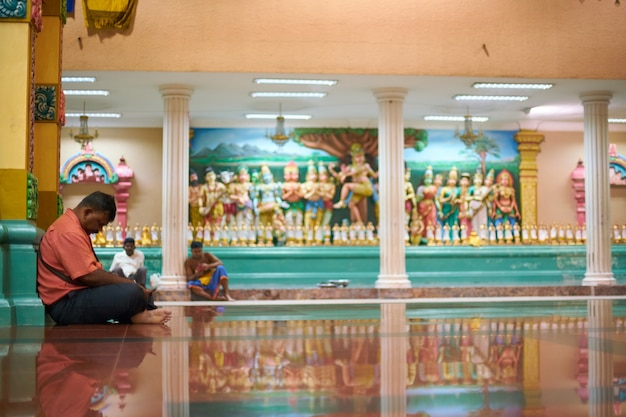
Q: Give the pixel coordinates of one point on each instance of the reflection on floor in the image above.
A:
(513, 358)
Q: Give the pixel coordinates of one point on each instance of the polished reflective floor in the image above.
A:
(513, 357)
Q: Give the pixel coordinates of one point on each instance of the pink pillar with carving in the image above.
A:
(122, 187)
(578, 184)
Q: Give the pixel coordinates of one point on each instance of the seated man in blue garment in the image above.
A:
(206, 274)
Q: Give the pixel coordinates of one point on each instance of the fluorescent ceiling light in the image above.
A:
(274, 116)
(78, 79)
(518, 86)
(86, 92)
(478, 119)
(617, 120)
(287, 94)
(294, 81)
(102, 115)
(467, 97)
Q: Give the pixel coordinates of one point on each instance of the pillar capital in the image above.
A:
(596, 97)
(176, 90)
(390, 93)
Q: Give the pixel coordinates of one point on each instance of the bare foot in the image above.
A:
(158, 316)
(229, 298)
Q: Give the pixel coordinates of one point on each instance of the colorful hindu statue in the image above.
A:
(427, 203)
(477, 203)
(505, 205)
(360, 187)
(266, 197)
(464, 219)
(292, 195)
(194, 199)
(211, 193)
(326, 189)
(230, 205)
(449, 201)
(242, 187)
(313, 203)
(410, 201)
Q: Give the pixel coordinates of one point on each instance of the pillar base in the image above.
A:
(393, 281)
(599, 278)
(172, 282)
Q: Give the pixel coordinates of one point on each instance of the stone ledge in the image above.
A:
(399, 293)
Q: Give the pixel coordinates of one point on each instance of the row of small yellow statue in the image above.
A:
(113, 236)
(357, 234)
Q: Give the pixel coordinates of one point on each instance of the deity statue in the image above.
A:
(230, 205)
(194, 199)
(292, 195)
(211, 192)
(410, 201)
(119, 236)
(241, 195)
(266, 197)
(313, 203)
(154, 235)
(464, 219)
(449, 202)
(360, 186)
(477, 203)
(505, 205)
(427, 203)
(326, 189)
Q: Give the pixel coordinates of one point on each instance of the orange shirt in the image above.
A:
(65, 247)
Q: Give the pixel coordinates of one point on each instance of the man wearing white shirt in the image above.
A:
(129, 264)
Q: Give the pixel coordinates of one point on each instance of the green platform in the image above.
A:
(304, 267)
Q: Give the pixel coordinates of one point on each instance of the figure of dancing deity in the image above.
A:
(505, 205)
(326, 189)
(448, 201)
(211, 206)
(313, 203)
(241, 195)
(266, 198)
(292, 195)
(361, 187)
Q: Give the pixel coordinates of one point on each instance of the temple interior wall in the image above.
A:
(142, 149)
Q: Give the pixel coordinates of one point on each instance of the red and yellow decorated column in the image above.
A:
(49, 112)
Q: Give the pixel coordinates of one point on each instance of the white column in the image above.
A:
(391, 188)
(597, 189)
(393, 366)
(600, 384)
(175, 184)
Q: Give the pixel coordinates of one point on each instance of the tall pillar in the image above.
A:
(599, 320)
(393, 365)
(597, 188)
(47, 137)
(175, 184)
(391, 192)
(18, 186)
(528, 146)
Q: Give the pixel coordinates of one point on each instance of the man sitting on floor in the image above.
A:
(206, 274)
(129, 263)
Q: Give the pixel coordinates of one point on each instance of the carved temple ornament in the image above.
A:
(91, 167)
(617, 177)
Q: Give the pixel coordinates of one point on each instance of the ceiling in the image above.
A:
(222, 100)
